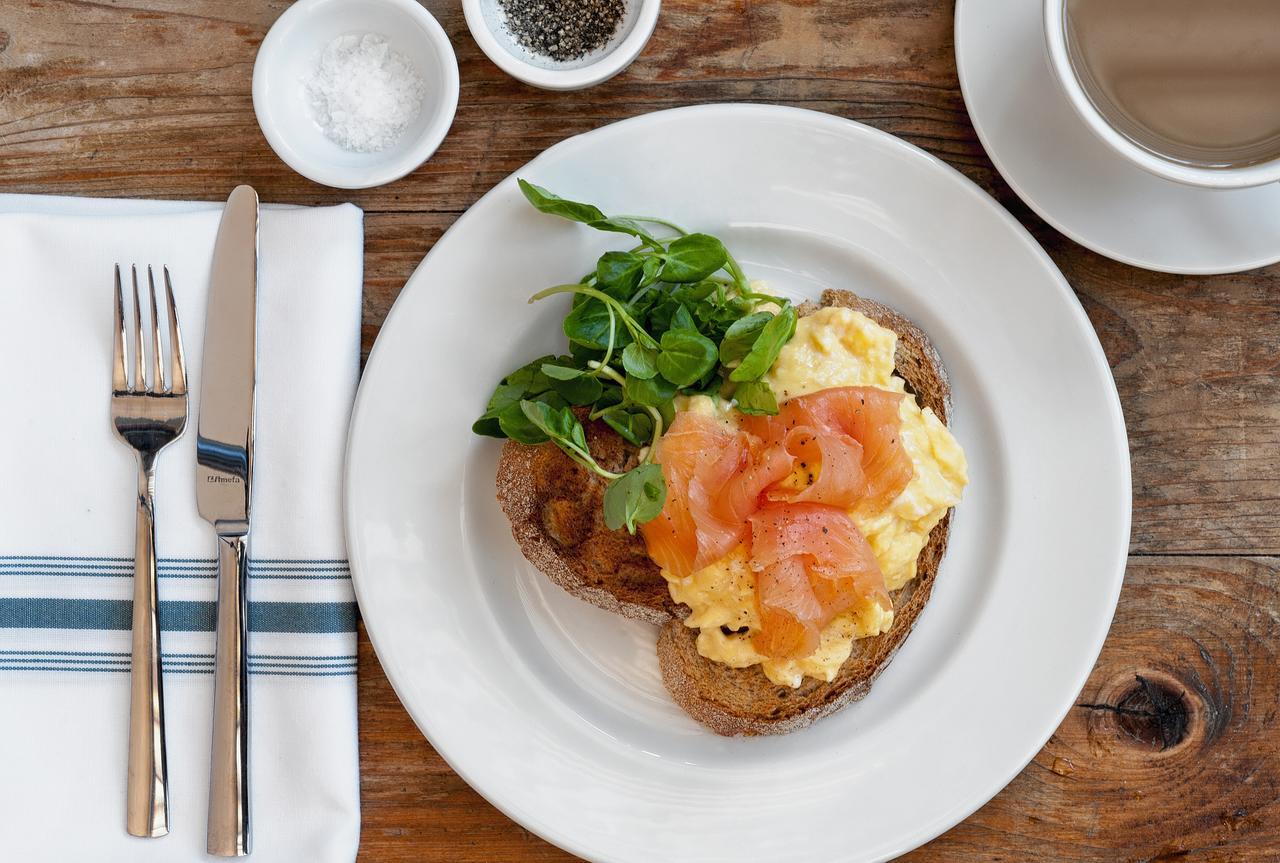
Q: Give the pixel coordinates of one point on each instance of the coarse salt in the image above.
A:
(363, 95)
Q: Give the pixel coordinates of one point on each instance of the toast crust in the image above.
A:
(555, 510)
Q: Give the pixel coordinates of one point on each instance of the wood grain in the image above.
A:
(117, 98)
(1170, 752)
(1170, 756)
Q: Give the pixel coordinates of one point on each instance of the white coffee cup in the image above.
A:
(1055, 29)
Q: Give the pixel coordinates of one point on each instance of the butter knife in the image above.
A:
(224, 470)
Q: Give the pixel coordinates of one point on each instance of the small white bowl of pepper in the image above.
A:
(561, 44)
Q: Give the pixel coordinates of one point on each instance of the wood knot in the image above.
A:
(1151, 711)
(1154, 713)
(4, 40)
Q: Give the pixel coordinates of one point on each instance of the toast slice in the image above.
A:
(555, 511)
(742, 701)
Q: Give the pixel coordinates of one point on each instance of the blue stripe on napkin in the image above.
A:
(175, 615)
(272, 664)
(170, 567)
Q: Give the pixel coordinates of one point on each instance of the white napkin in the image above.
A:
(66, 537)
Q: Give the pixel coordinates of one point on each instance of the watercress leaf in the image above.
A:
(692, 258)
(713, 319)
(516, 425)
(651, 269)
(710, 383)
(619, 274)
(574, 385)
(715, 329)
(588, 325)
(552, 398)
(581, 354)
(642, 301)
(682, 320)
(635, 497)
(776, 333)
(660, 316)
(504, 396)
(636, 428)
(530, 376)
(741, 335)
(686, 356)
(578, 391)
(578, 435)
(561, 373)
(639, 361)
(610, 396)
(488, 427)
(623, 226)
(667, 410)
(756, 397)
(724, 316)
(546, 202)
(654, 391)
(695, 293)
(555, 423)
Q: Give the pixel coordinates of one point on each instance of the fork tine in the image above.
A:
(140, 369)
(157, 366)
(178, 368)
(119, 371)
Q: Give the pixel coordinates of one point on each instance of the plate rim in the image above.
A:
(944, 821)
(1097, 247)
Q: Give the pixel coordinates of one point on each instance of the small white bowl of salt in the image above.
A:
(355, 93)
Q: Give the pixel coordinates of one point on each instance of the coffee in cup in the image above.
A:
(1192, 84)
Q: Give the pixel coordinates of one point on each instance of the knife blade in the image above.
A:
(224, 474)
(224, 445)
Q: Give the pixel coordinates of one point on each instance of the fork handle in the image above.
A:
(228, 830)
(147, 812)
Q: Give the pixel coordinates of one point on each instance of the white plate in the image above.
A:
(553, 709)
(1075, 182)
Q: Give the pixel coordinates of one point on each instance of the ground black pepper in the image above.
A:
(563, 29)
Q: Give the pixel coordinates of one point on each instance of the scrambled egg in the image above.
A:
(833, 347)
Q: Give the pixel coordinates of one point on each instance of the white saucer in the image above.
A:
(1073, 181)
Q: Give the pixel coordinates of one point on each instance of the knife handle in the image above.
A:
(228, 830)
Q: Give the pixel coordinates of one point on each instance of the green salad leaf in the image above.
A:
(755, 397)
(636, 496)
(692, 258)
(639, 361)
(672, 316)
(686, 356)
(773, 336)
(741, 336)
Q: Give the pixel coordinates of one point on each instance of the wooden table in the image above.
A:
(1170, 754)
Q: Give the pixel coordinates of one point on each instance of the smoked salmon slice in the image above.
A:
(739, 497)
(791, 615)
(867, 415)
(813, 564)
(784, 485)
(708, 468)
(830, 469)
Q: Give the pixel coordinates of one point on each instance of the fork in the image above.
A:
(148, 415)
